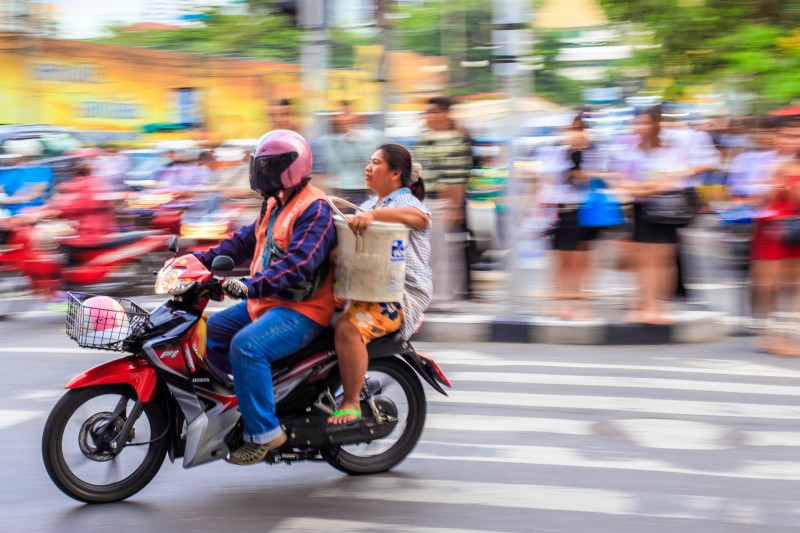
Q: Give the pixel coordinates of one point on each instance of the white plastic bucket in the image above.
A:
(372, 267)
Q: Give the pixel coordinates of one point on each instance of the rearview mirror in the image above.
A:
(222, 263)
(173, 245)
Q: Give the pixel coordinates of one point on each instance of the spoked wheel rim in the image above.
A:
(85, 442)
(400, 393)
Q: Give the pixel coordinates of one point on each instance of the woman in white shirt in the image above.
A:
(656, 164)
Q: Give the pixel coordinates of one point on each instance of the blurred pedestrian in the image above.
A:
(773, 261)
(446, 155)
(280, 115)
(346, 148)
(571, 242)
(112, 166)
(656, 164)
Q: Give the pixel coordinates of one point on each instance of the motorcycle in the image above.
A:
(44, 250)
(166, 398)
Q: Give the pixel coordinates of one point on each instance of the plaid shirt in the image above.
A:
(446, 157)
(419, 278)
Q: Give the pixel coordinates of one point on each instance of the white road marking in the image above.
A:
(741, 369)
(481, 424)
(10, 418)
(581, 458)
(623, 404)
(40, 395)
(54, 351)
(503, 424)
(556, 498)
(326, 525)
(624, 382)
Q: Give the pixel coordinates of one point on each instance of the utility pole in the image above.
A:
(313, 17)
(382, 22)
(512, 38)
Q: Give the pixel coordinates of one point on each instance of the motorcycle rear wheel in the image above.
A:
(68, 478)
(345, 459)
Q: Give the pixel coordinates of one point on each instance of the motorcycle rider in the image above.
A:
(289, 294)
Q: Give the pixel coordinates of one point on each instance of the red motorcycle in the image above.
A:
(107, 437)
(48, 254)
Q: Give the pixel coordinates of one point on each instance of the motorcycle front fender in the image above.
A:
(129, 370)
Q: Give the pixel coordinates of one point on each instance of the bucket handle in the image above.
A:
(332, 202)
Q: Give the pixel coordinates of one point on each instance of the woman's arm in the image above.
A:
(410, 216)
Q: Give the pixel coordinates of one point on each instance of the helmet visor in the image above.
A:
(266, 170)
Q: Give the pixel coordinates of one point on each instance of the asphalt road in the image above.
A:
(700, 438)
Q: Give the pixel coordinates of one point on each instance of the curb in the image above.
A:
(689, 327)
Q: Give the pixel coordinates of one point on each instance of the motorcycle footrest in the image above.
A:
(316, 435)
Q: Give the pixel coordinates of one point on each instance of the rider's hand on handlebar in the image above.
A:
(235, 289)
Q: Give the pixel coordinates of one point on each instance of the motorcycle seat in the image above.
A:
(120, 239)
(324, 343)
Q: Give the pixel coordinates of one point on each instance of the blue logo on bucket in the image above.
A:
(398, 250)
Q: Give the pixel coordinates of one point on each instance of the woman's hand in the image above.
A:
(360, 222)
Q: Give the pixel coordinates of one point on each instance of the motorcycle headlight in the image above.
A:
(169, 281)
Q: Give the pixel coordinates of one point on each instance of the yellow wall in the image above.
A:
(103, 88)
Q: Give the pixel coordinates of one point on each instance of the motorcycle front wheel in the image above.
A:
(395, 380)
(76, 444)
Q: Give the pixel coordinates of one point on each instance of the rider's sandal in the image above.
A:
(251, 453)
(343, 412)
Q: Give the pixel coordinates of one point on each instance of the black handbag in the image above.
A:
(677, 208)
(791, 231)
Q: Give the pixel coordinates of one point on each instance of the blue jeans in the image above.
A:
(245, 348)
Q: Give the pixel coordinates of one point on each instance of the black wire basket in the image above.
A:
(104, 322)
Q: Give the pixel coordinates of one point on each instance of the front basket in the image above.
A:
(104, 322)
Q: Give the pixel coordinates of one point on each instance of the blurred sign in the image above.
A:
(80, 73)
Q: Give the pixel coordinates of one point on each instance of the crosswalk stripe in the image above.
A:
(581, 458)
(566, 499)
(10, 417)
(517, 424)
(611, 403)
(501, 424)
(749, 370)
(623, 382)
(326, 525)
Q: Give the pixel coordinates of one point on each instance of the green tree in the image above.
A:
(717, 41)
(269, 37)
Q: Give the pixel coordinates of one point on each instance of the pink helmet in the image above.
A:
(282, 159)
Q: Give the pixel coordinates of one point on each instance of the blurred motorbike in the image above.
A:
(49, 254)
(107, 437)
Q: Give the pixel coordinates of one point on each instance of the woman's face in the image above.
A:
(378, 176)
(645, 126)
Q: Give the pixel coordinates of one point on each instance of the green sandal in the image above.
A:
(343, 412)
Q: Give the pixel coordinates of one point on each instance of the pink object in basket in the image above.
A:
(104, 313)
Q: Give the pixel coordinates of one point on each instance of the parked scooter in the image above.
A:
(107, 437)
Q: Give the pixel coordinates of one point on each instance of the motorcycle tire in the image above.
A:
(354, 465)
(58, 468)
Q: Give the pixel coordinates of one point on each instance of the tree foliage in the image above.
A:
(748, 43)
(269, 37)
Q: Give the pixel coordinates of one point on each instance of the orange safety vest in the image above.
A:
(320, 306)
